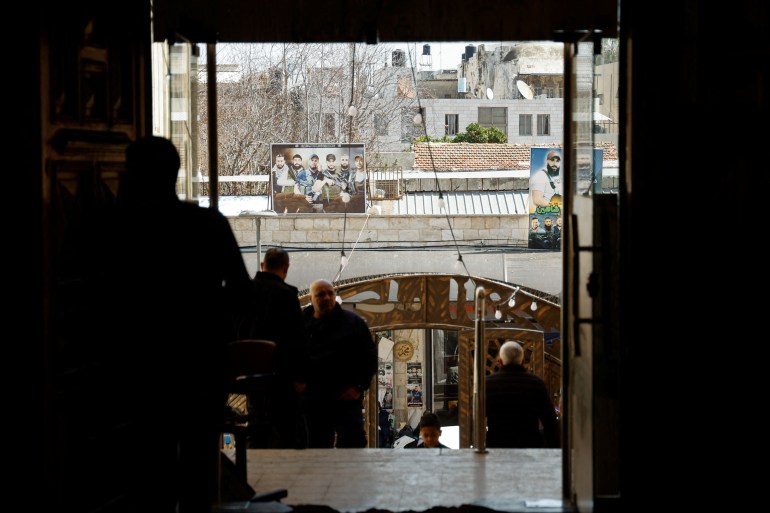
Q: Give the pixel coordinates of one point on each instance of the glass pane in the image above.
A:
(175, 90)
(445, 384)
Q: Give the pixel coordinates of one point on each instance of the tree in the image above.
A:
(299, 93)
(475, 133)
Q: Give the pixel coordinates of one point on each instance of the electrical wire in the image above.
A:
(343, 258)
(433, 166)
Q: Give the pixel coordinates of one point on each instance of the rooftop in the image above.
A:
(468, 156)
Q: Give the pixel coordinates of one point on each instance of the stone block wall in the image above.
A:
(320, 230)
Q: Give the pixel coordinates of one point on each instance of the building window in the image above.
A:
(543, 124)
(496, 117)
(450, 124)
(525, 124)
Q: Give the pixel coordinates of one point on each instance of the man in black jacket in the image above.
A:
(343, 361)
(517, 404)
(274, 313)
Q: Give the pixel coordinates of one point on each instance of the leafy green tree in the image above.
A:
(475, 133)
(427, 138)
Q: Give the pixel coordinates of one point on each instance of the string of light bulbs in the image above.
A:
(511, 302)
(352, 113)
(418, 120)
(345, 196)
(344, 261)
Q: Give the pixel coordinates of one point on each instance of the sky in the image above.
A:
(445, 55)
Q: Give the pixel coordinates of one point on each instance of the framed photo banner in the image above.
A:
(318, 178)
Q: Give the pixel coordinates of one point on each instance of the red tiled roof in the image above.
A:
(470, 156)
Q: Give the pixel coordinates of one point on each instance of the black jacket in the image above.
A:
(341, 352)
(517, 402)
(273, 313)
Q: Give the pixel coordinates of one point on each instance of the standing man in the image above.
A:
(336, 184)
(545, 185)
(358, 176)
(343, 361)
(274, 313)
(283, 177)
(345, 174)
(383, 427)
(518, 404)
(296, 166)
(290, 180)
(307, 179)
(178, 278)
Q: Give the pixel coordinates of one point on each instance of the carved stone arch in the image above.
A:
(446, 301)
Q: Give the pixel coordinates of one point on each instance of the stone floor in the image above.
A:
(402, 480)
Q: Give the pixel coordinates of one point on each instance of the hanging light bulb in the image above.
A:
(533, 306)
(512, 301)
(441, 201)
(498, 314)
(345, 197)
(352, 111)
(343, 260)
(417, 119)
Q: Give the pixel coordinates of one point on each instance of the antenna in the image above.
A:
(525, 90)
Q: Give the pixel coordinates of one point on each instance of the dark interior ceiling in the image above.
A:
(308, 21)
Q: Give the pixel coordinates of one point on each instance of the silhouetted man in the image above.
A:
(177, 277)
(274, 313)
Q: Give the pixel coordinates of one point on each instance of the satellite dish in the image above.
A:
(490, 93)
(525, 90)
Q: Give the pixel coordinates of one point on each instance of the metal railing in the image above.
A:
(385, 183)
(479, 375)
